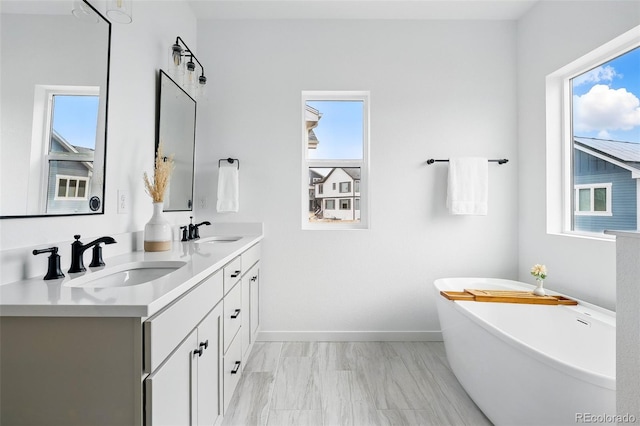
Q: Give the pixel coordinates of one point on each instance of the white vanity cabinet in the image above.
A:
(112, 365)
(183, 387)
(239, 307)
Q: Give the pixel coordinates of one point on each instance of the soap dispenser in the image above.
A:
(53, 272)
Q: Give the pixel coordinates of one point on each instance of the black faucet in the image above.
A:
(194, 231)
(53, 272)
(78, 249)
(196, 228)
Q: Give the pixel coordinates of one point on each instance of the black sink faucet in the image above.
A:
(78, 249)
(194, 230)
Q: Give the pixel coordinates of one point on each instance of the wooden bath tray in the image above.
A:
(507, 296)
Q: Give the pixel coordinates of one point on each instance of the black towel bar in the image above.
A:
(230, 161)
(499, 161)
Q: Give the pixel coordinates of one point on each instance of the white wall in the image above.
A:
(551, 35)
(438, 89)
(138, 50)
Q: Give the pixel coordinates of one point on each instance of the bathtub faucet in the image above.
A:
(78, 249)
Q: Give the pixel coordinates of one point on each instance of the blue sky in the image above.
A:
(606, 100)
(75, 119)
(339, 131)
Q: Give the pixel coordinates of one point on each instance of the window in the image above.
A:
(593, 120)
(593, 199)
(71, 187)
(66, 172)
(335, 148)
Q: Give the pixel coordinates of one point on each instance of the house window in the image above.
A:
(71, 187)
(593, 199)
(335, 147)
(594, 126)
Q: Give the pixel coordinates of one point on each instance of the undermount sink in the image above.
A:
(218, 239)
(126, 275)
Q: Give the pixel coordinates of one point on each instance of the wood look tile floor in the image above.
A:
(351, 384)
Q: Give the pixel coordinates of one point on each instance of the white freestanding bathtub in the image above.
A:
(530, 364)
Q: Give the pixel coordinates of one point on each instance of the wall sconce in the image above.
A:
(120, 11)
(183, 70)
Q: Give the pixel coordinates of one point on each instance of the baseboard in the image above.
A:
(349, 336)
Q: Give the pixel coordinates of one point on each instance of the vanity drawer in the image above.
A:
(232, 370)
(165, 330)
(232, 273)
(251, 256)
(232, 315)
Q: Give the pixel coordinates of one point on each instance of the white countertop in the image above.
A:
(37, 297)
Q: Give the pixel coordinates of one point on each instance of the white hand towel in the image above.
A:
(468, 190)
(228, 188)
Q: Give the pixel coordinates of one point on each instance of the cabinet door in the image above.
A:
(170, 389)
(209, 368)
(254, 294)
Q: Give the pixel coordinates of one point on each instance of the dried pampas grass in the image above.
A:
(161, 175)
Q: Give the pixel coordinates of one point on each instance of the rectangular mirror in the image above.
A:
(177, 132)
(54, 76)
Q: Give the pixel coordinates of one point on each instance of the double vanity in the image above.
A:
(150, 339)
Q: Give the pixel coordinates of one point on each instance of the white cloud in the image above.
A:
(603, 108)
(603, 134)
(597, 75)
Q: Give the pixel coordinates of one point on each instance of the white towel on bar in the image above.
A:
(228, 188)
(468, 190)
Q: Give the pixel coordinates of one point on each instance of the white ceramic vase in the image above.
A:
(157, 232)
(539, 290)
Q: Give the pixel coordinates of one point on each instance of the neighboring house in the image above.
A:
(338, 194)
(311, 118)
(69, 180)
(606, 185)
(314, 205)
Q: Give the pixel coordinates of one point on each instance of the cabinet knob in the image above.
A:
(235, 274)
(236, 368)
(205, 344)
(198, 351)
(235, 314)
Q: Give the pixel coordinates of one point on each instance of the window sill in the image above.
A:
(585, 235)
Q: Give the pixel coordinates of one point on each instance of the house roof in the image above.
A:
(625, 152)
(353, 172)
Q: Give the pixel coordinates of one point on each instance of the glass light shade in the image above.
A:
(120, 11)
(81, 10)
(190, 78)
(202, 87)
(175, 67)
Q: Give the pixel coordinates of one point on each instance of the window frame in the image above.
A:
(559, 135)
(363, 164)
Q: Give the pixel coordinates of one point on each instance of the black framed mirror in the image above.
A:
(54, 91)
(176, 129)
